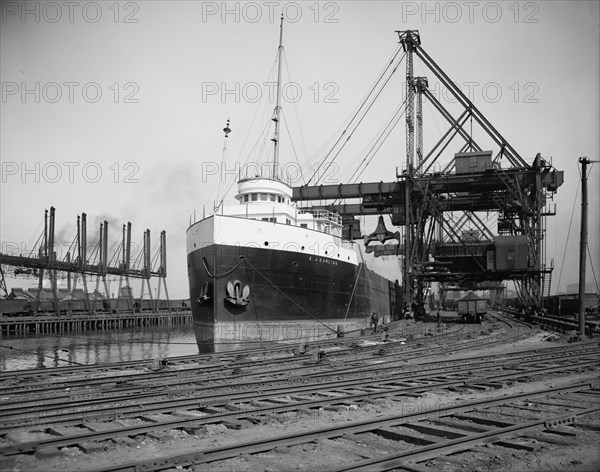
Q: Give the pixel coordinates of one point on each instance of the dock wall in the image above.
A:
(41, 324)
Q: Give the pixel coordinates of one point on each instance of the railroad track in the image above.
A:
(42, 381)
(422, 436)
(70, 427)
(268, 350)
(413, 332)
(562, 324)
(406, 439)
(182, 382)
(62, 411)
(509, 319)
(78, 405)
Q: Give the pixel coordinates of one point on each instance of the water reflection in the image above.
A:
(31, 351)
(28, 351)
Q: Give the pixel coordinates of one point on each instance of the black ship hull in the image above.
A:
(242, 295)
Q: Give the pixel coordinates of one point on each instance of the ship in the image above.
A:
(265, 269)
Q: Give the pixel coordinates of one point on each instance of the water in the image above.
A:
(31, 351)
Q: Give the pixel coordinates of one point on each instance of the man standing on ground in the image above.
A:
(374, 322)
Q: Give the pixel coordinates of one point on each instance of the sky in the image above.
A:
(116, 109)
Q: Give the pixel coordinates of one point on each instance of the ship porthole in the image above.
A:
(194, 244)
(325, 252)
(266, 243)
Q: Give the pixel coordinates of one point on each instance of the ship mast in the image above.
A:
(277, 111)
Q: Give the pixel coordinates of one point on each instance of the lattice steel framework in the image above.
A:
(438, 203)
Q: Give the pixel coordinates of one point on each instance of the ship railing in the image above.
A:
(324, 215)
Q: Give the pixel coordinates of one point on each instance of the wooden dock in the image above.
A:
(51, 323)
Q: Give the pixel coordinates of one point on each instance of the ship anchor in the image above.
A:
(204, 297)
(236, 295)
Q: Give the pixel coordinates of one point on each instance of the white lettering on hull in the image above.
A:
(322, 260)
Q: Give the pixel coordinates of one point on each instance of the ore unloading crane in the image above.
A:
(444, 236)
(90, 260)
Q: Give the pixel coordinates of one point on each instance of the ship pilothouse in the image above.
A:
(265, 217)
(269, 200)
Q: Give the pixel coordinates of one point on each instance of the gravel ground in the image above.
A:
(567, 453)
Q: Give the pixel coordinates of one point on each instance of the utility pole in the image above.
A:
(584, 161)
